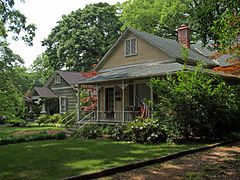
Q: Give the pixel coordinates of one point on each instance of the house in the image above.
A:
(125, 70)
(58, 95)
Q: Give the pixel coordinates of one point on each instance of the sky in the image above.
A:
(45, 14)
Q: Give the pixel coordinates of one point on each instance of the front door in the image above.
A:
(109, 103)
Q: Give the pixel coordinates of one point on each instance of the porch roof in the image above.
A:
(133, 72)
(44, 92)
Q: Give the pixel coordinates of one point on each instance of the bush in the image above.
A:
(118, 132)
(62, 120)
(54, 118)
(148, 131)
(90, 131)
(43, 118)
(108, 129)
(43, 124)
(15, 121)
(59, 135)
(197, 103)
(37, 122)
(43, 135)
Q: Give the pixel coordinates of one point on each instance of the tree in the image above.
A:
(81, 37)
(163, 17)
(40, 68)
(228, 31)
(206, 15)
(154, 16)
(11, 20)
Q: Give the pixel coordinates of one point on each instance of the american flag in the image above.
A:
(145, 111)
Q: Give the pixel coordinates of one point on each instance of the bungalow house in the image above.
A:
(125, 70)
(58, 95)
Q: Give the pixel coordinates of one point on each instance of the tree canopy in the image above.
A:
(163, 17)
(160, 17)
(82, 37)
(13, 77)
(12, 20)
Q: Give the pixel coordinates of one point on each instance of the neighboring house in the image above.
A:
(58, 95)
(125, 70)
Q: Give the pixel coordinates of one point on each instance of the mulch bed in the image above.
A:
(35, 132)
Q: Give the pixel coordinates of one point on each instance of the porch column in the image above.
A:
(97, 89)
(43, 107)
(151, 101)
(123, 86)
(78, 103)
(30, 108)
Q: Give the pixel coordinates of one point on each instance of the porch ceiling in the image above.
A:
(133, 72)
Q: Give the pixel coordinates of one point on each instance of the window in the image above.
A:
(57, 80)
(63, 104)
(143, 91)
(131, 47)
(131, 94)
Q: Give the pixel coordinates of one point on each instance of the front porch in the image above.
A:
(117, 102)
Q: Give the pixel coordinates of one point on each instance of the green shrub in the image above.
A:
(43, 118)
(32, 124)
(62, 120)
(37, 122)
(197, 103)
(43, 135)
(148, 131)
(15, 121)
(90, 131)
(108, 129)
(43, 124)
(60, 135)
(54, 118)
(118, 132)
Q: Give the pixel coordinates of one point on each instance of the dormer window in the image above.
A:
(131, 47)
(57, 80)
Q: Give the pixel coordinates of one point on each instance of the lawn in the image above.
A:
(7, 131)
(54, 159)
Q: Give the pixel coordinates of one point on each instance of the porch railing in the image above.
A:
(108, 116)
(71, 116)
(117, 116)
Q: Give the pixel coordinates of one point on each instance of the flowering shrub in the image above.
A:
(148, 131)
(90, 131)
(118, 132)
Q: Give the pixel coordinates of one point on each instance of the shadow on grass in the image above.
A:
(58, 159)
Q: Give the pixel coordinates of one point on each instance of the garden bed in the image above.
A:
(36, 132)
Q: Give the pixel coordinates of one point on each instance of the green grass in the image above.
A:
(58, 159)
(7, 131)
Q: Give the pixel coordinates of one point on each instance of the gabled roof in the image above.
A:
(206, 52)
(170, 47)
(69, 76)
(43, 92)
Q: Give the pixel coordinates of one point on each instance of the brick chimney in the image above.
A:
(184, 36)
